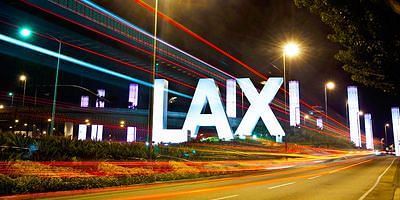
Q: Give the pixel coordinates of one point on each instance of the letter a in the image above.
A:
(207, 91)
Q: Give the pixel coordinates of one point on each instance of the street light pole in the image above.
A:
(26, 32)
(153, 77)
(326, 105)
(386, 125)
(53, 108)
(328, 86)
(284, 79)
(23, 78)
(12, 98)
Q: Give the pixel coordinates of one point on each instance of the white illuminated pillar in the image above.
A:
(354, 118)
(368, 131)
(84, 101)
(231, 98)
(99, 102)
(68, 129)
(294, 103)
(82, 129)
(97, 132)
(93, 135)
(131, 134)
(320, 123)
(396, 129)
(133, 95)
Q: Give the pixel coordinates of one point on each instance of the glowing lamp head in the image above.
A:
(387, 125)
(10, 94)
(291, 49)
(22, 78)
(306, 116)
(49, 120)
(361, 113)
(330, 85)
(25, 32)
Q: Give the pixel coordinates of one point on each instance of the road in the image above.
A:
(343, 179)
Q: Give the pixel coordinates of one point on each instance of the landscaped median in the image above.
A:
(32, 165)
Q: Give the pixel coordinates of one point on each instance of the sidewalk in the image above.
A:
(389, 186)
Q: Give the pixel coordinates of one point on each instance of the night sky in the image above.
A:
(253, 31)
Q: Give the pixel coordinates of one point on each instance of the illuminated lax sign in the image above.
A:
(208, 92)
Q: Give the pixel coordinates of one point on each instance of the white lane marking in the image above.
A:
(286, 184)
(314, 177)
(376, 183)
(279, 167)
(227, 197)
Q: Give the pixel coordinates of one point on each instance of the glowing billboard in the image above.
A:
(396, 129)
(231, 98)
(101, 93)
(294, 103)
(368, 131)
(84, 101)
(354, 118)
(133, 95)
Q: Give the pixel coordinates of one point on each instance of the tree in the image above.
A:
(368, 32)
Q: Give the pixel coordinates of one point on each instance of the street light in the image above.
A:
(386, 126)
(290, 49)
(328, 86)
(10, 94)
(23, 78)
(25, 32)
(1, 106)
(306, 117)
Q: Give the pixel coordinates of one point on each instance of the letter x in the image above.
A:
(259, 107)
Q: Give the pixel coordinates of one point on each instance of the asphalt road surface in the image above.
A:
(339, 180)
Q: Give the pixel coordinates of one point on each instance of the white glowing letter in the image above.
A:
(396, 129)
(160, 110)
(354, 118)
(231, 98)
(259, 107)
(294, 103)
(368, 131)
(207, 92)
